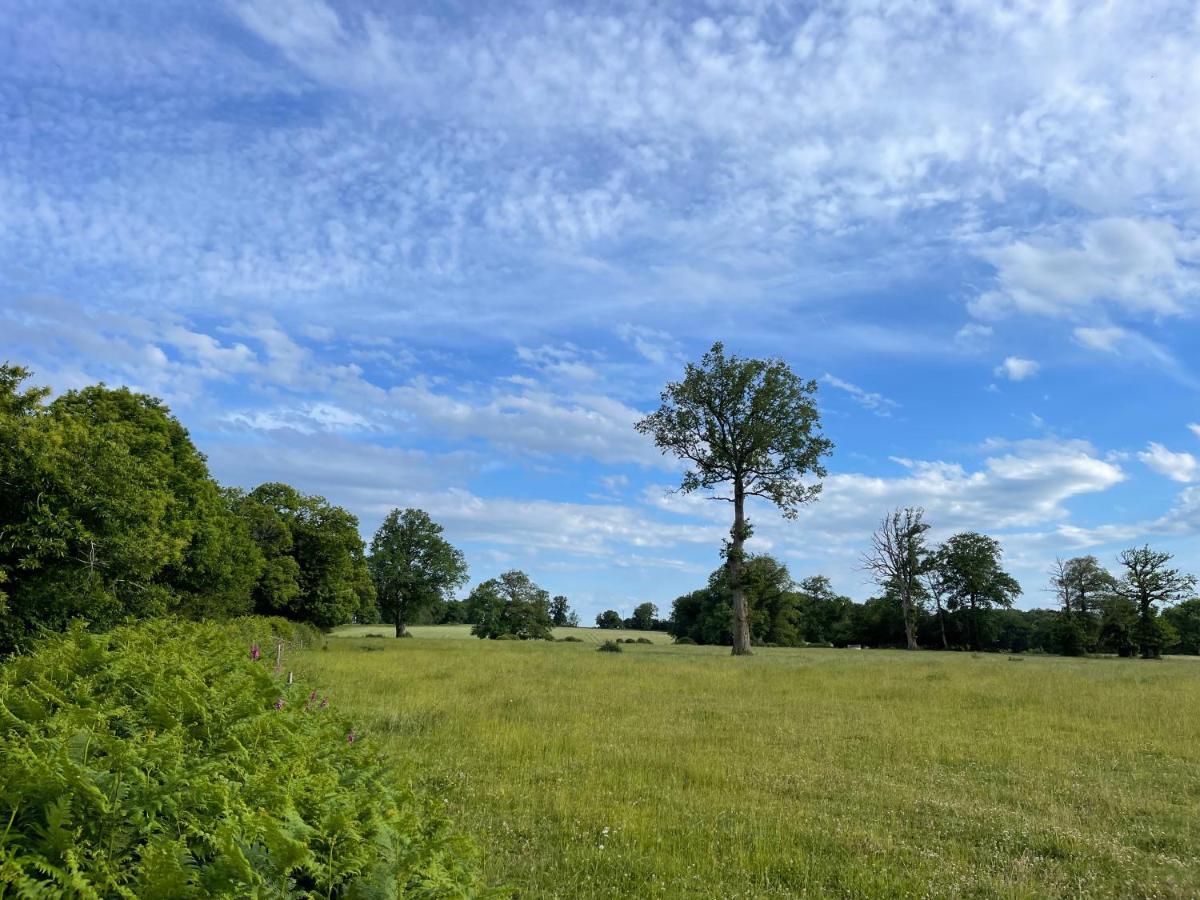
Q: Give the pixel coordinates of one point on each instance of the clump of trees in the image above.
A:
(314, 565)
(561, 614)
(644, 618)
(510, 605)
(108, 513)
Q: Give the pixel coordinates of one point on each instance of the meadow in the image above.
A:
(679, 771)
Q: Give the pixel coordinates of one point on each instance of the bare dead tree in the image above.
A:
(896, 560)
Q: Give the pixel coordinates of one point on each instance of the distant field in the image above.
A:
(448, 632)
(678, 771)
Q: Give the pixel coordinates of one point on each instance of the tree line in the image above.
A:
(108, 514)
(961, 601)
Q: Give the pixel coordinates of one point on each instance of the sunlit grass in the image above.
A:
(587, 635)
(679, 771)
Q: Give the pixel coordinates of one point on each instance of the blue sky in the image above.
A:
(445, 255)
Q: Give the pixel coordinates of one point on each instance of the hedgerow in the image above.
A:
(171, 759)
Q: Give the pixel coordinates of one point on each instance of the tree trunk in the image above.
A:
(1147, 633)
(976, 644)
(401, 628)
(909, 628)
(741, 616)
(942, 622)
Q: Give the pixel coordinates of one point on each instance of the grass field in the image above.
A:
(679, 771)
(463, 632)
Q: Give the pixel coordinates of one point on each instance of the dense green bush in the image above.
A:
(510, 604)
(165, 760)
(610, 647)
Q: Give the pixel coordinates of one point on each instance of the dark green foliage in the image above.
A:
(643, 617)
(684, 640)
(822, 614)
(1118, 626)
(610, 618)
(610, 647)
(511, 604)
(571, 639)
(973, 581)
(561, 614)
(644, 641)
(1185, 619)
(315, 562)
(107, 513)
(706, 616)
(162, 761)
(412, 566)
(878, 622)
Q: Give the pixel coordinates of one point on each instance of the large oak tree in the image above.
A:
(1149, 583)
(750, 424)
(413, 566)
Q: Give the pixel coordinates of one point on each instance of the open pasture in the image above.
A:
(462, 632)
(679, 771)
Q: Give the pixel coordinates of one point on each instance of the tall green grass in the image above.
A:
(463, 632)
(678, 771)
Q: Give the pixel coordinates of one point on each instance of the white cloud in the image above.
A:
(875, 402)
(1195, 429)
(656, 346)
(1014, 368)
(530, 420)
(1106, 338)
(1133, 346)
(1020, 484)
(1139, 266)
(308, 419)
(973, 337)
(406, 151)
(1177, 466)
(558, 362)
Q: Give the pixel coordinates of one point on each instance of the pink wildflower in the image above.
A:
(279, 703)
(255, 653)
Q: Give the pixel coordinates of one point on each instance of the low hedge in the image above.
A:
(162, 760)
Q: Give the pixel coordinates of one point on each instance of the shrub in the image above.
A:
(610, 647)
(644, 641)
(571, 639)
(507, 637)
(684, 640)
(162, 760)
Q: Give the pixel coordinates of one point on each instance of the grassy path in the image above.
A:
(677, 771)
